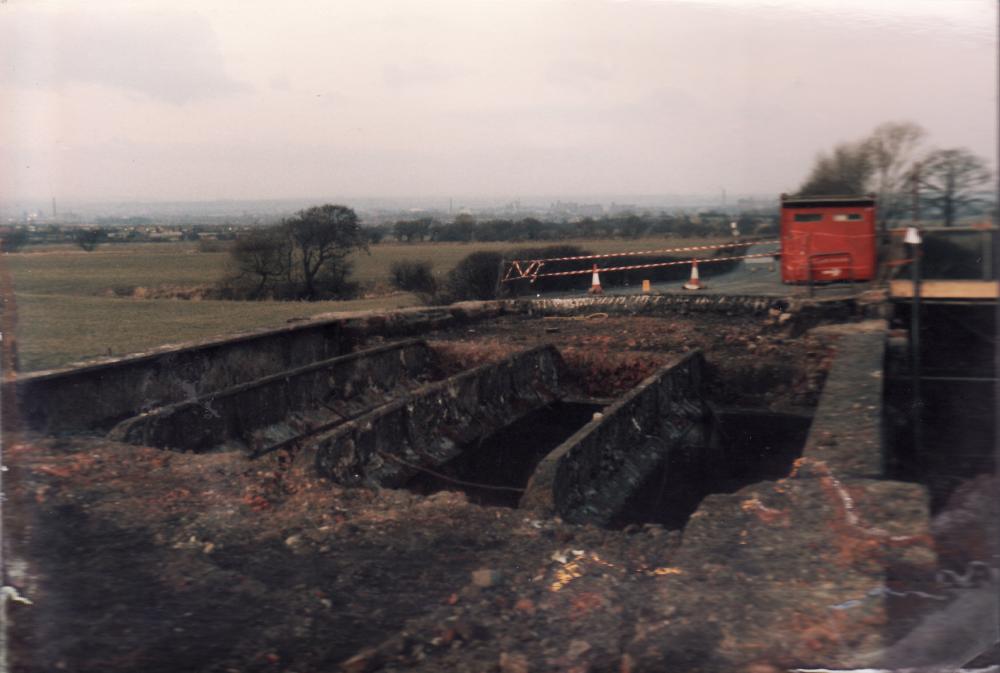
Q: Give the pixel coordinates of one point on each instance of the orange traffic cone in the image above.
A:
(694, 283)
(595, 283)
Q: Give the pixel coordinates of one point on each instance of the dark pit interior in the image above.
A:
(494, 471)
(758, 445)
(956, 412)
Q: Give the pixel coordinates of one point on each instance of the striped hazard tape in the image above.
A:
(655, 265)
(690, 248)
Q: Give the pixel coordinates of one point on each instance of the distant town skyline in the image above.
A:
(186, 101)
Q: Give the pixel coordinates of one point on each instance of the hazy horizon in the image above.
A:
(181, 102)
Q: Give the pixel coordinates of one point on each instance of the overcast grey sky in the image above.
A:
(189, 100)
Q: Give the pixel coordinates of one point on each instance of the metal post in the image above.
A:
(499, 290)
(915, 193)
(986, 250)
(913, 239)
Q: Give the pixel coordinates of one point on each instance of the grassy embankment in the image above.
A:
(74, 305)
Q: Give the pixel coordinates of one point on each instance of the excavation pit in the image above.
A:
(310, 570)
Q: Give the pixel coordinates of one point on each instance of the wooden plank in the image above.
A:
(947, 289)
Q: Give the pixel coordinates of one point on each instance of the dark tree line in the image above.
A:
(466, 229)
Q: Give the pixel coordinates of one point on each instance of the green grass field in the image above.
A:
(75, 305)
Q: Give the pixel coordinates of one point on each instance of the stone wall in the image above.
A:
(846, 432)
(590, 477)
(653, 304)
(96, 396)
(434, 424)
(281, 406)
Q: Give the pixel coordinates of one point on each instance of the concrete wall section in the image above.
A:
(846, 432)
(95, 397)
(434, 424)
(282, 406)
(654, 303)
(589, 478)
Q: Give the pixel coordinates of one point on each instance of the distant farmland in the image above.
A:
(75, 305)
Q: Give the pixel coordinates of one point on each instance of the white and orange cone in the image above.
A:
(694, 283)
(595, 283)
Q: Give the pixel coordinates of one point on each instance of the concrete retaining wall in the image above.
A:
(846, 432)
(305, 397)
(95, 397)
(433, 425)
(589, 478)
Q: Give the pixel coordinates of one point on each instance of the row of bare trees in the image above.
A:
(892, 163)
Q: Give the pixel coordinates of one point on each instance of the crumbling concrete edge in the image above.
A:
(650, 304)
(429, 427)
(846, 432)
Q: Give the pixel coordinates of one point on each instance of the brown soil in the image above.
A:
(753, 362)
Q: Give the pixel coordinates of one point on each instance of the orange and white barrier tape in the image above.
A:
(656, 265)
(608, 255)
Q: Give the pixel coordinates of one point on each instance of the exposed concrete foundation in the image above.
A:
(277, 408)
(589, 478)
(434, 424)
(96, 396)
(117, 389)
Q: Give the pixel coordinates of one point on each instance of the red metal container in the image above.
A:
(827, 238)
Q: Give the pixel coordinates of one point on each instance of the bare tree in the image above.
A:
(891, 149)
(949, 179)
(846, 170)
(324, 236)
(881, 163)
(262, 259)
